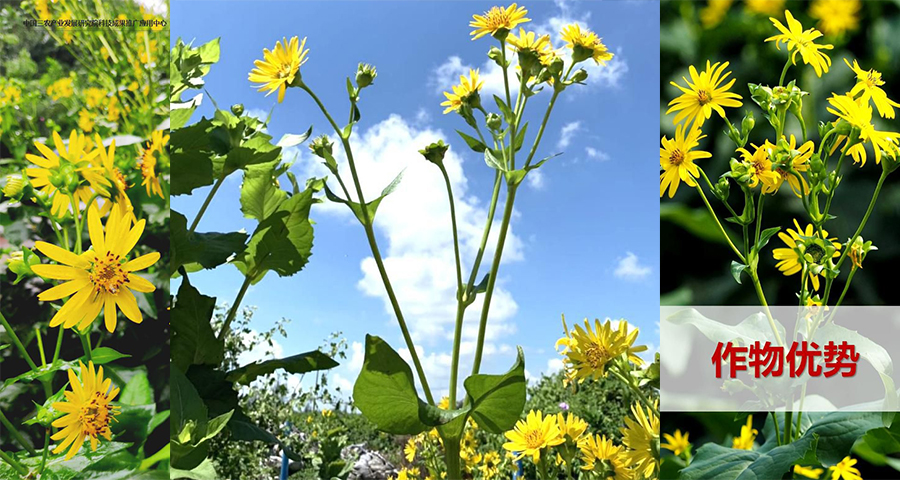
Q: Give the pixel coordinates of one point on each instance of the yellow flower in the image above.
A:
(410, 449)
(101, 278)
(529, 42)
(868, 83)
(533, 434)
(571, 426)
(799, 162)
(444, 404)
(87, 412)
(94, 96)
(152, 152)
(85, 122)
(278, 68)
(61, 88)
(677, 443)
(490, 467)
(588, 351)
(860, 116)
(42, 9)
(676, 160)
(585, 44)
(327, 413)
(112, 110)
(765, 7)
(10, 95)
(808, 472)
(597, 450)
(107, 161)
(67, 171)
(748, 435)
(802, 42)
(845, 470)
(66, 30)
(498, 21)
(761, 170)
(789, 258)
(465, 92)
(714, 11)
(704, 94)
(836, 16)
(641, 437)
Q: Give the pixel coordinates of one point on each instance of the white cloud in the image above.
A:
(414, 225)
(535, 180)
(553, 365)
(630, 268)
(447, 74)
(566, 133)
(595, 154)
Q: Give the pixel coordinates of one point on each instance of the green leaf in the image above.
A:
(178, 117)
(242, 157)
(191, 169)
(45, 414)
(371, 207)
(520, 139)
(207, 250)
(515, 177)
(187, 406)
(137, 391)
(494, 159)
(385, 393)
(504, 109)
(473, 143)
(205, 471)
(105, 355)
(723, 463)
(838, 431)
(300, 363)
(541, 162)
(764, 238)
(291, 139)
(193, 339)
(33, 375)
(77, 468)
(282, 242)
(497, 400)
(260, 193)
(751, 329)
(696, 221)
(736, 270)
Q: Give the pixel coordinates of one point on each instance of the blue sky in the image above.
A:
(585, 234)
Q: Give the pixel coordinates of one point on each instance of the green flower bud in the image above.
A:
(321, 146)
(580, 54)
(580, 76)
(747, 124)
(529, 63)
(761, 94)
(237, 109)
(20, 263)
(434, 153)
(497, 56)
(544, 75)
(16, 186)
(493, 121)
(741, 172)
(723, 188)
(365, 75)
(556, 67)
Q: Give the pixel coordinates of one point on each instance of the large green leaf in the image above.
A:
(282, 242)
(260, 194)
(497, 400)
(193, 339)
(205, 471)
(207, 250)
(300, 363)
(104, 355)
(58, 468)
(752, 329)
(33, 375)
(723, 463)
(137, 391)
(187, 406)
(385, 393)
(191, 169)
(837, 431)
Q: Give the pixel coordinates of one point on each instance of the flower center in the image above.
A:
(148, 164)
(873, 79)
(676, 157)
(108, 274)
(596, 355)
(816, 252)
(95, 415)
(534, 439)
(703, 97)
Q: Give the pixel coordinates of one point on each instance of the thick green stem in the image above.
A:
(234, 307)
(540, 134)
(451, 457)
(788, 424)
(209, 198)
(542, 467)
(14, 432)
(13, 463)
(636, 390)
(16, 342)
(59, 337)
(492, 279)
(373, 245)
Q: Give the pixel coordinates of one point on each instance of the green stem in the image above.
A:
(86, 344)
(209, 198)
(451, 456)
(487, 230)
(40, 342)
(373, 245)
(16, 342)
(542, 467)
(460, 293)
(759, 210)
(14, 432)
(637, 391)
(787, 65)
(492, 279)
(777, 432)
(540, 134)
(762, 299)
(45, 452)
(721, 228)
(13, 463)
(59, 337)
(78, 221)
(234, 307)
(788, 424)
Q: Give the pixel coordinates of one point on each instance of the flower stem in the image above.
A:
(787, 65)
(17, 342)
(14, 432)
(46, 451)
(234, 307)
(637, 391)
(460, 292)
(18, 467)
(59, 338)
(209, 198)
(762, 299)
(86, 344)
(542, 467)
(540, 134)
(721, 228)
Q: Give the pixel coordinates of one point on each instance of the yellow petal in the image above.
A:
(61, 255)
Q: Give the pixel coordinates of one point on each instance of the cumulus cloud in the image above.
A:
(595, 154)
(566, 133)
(535, 179)
(630, 268)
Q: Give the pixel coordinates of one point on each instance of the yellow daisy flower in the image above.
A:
(845, 470)
(714, 11)
(409, 451)
(87, 412)
(799, 162)
(836, 16)
(85, 120)
(765, 7)
(597, 450)
(148, 162)
(677, 443)
(94, 97)
(868, 84)
(61, 88)
(761, 170)
(704, 94)
(585, 44)
(107, 161)
(748, 434)
(808, 472)
(42, 9)
(498, 20)
(802, 42)
(101, 278)
(529, 42)
(571, 426)
(68, 170)
(490, 466)
(533, 434)
(860, 116)
(278, 68)
(465, 92)
(676, 159)
(641, 437)
(789, 259)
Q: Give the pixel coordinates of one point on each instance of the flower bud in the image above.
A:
(20, 263)
(365, 75)
(493, 121)
(761, 94)
(556, 67)
(747, 124)
(15, 186)
(722, 188)
(580, 76)
(434, 153)
(858, 251)
(497, 56)
(237, 109)
(321, 146)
